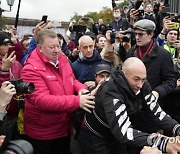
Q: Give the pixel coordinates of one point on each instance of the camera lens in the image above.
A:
(18, 147)
(26, 87)
(127, 38)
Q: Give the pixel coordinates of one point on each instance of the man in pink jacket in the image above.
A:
(47, 114)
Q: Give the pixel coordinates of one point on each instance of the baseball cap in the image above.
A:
(103, 68)
(4, 38)
(145, 24)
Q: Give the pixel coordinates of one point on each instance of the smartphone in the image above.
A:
(44, 18)
(176, 25)
(141, 12)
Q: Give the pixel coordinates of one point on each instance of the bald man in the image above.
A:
(117, 113)
(84, 67)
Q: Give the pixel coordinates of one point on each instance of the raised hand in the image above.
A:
(6, 92)
(7, 61)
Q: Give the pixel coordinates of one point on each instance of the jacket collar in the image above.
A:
(152, 53)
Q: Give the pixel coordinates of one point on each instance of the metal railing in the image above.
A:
(174, 6)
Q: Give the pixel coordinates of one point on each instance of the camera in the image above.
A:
(17, 147)
(76, 32)
(141, 13)
(103, 29)
(176, 20)
(127, 34)
(23, 87)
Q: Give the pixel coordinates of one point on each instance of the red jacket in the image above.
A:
(48, 109)
(14, 73)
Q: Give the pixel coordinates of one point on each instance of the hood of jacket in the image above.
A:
(121, 81)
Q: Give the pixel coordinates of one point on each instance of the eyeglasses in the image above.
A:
(140, 34)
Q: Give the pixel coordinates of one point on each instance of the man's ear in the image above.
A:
(123, 71)
(78, 47)
(39, 46)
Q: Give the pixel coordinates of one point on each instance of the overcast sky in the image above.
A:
(61, 10)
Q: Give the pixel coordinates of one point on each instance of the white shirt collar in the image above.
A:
(55, 64)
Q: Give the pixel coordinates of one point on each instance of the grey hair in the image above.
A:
(44, 34)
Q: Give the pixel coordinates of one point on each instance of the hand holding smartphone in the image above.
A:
(44, 18)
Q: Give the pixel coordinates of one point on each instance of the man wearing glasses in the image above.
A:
(158, 62)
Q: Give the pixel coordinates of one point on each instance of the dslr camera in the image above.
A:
(103, 29)
(76, 32)
(127, 35)
(23, 87)
(17, 147)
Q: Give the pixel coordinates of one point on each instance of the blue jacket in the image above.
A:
(85, 69)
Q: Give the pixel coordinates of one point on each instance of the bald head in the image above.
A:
(85, 39)
(86, 46)
(133, 63)
(135, 72)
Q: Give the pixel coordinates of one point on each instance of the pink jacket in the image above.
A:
(48, 109)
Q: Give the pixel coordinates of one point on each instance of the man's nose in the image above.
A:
(140, 84)
(57, 49)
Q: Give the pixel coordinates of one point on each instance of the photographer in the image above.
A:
(109, 52)
(16, 44)
(6, 92)
(168, 38)
(9, 69)
(115, 52)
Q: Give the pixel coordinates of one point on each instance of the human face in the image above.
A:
(87, 48)
(102, 76)
(25, 44)
(142, 38)
(101, 42)
(136, 78)
(172, 36)
(4, 49)
(51, 48)
(117, 13)
(149, 8)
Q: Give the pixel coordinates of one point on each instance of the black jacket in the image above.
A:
(160, 69)
(117, 109)
(120, 24)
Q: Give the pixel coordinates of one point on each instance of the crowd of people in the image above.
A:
(113, 90)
